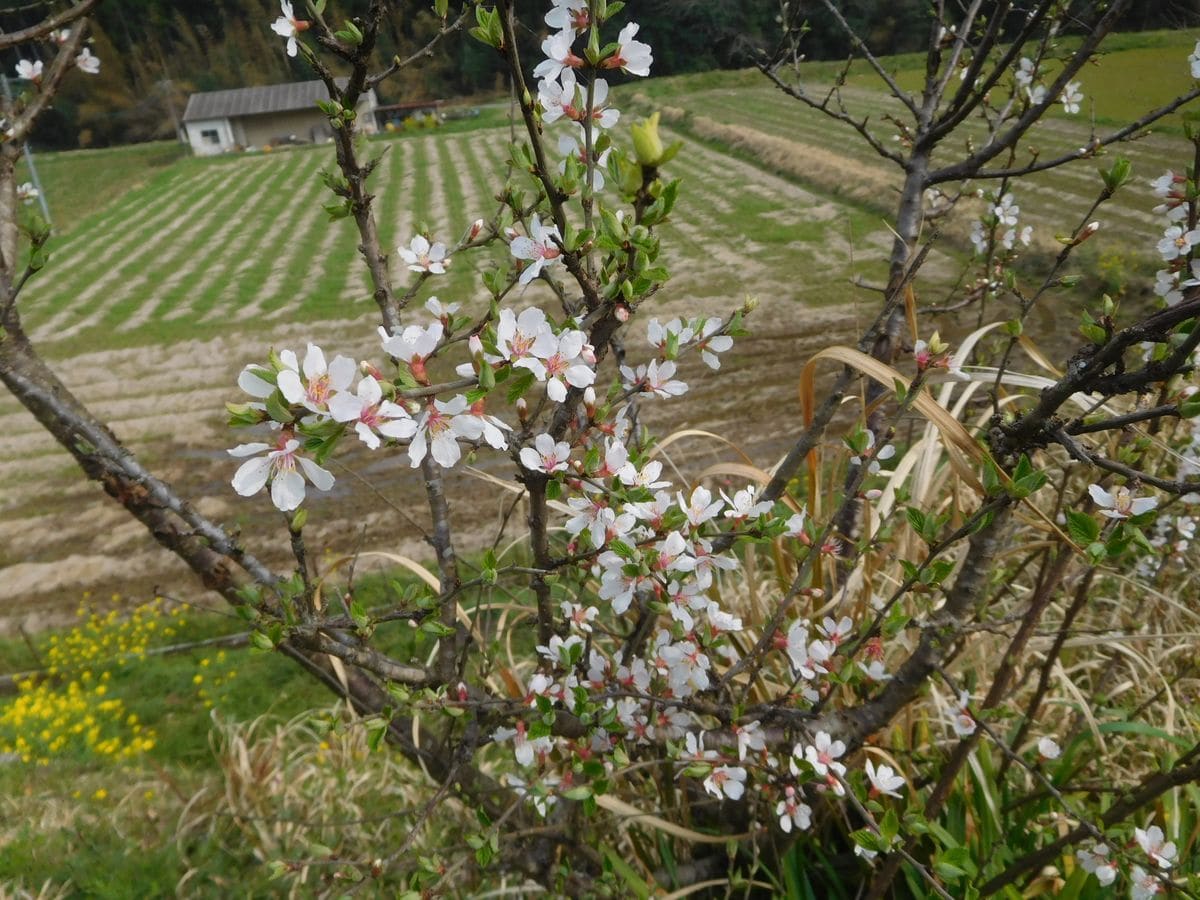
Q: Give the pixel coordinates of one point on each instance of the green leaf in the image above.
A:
(1082, 527)
(632, 880)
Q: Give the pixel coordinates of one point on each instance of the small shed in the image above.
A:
(218, 121)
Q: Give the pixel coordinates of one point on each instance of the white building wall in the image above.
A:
(209, 136)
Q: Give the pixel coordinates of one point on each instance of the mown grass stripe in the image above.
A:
(150, 238)
(66, 278)
(219, 254)
(168, 255)
(224, 297)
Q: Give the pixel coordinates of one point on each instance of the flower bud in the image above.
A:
(589, 401)
(522, 410)
(474, 230)
(647, 143)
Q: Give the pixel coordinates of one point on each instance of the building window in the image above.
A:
(210, 136)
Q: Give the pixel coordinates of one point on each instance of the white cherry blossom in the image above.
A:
(282, 467)
(87, 63)
(741, 505)
(631, 55)
(569, 14)
(964, 723)
(655, 378)
(27, 193)
(540, 248)
(568, 366)
(728, 781)
(413, 345)
(422, 256)
(371, 414)
(1048, 748)
(823, 753)
(1143, 885)
(319, 383)
(559, 55)
(1120, 503)
(441, 425)
(1096, 862)
(884, 780)
(29, 71)
(288, 26)
(545, 455)
(1006, 211)
(1176, 242)
(1025, 72)
(1154, 844)
(1071, 97)
(711, 343)
(1194, 61)
(793, 813)
(526, 340)
(701, 507)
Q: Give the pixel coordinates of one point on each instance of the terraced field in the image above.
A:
(153, 305)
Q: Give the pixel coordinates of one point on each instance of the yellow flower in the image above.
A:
(100, 794)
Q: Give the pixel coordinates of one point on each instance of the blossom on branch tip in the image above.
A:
(540, 248)
(320, 381)
(572, 15)
(282, 467)
(1176, 242)
(964, 723)
(728, 781)
(1194, 61)
(884, 780)
(1096, 862)
(288, 26)
(29, 71)
(559, 56)
(793, 813)
(1071, 97)
(1048, 748)
(422, 256)
(26, 192)
(568, 365)
(823, 754)
(87, 63)
(1154, 844)
(546, 455)
(631, 56)
(655, 378)
(371, 414)
(1121, 503)
(413, 346)
(438, 431)
(1143, 885)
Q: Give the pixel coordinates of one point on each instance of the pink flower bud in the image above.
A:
(622, 313)
(475, 345)
(873, 494)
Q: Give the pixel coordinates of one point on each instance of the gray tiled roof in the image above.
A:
(251, 101)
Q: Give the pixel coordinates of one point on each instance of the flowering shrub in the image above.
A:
(637, 675)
